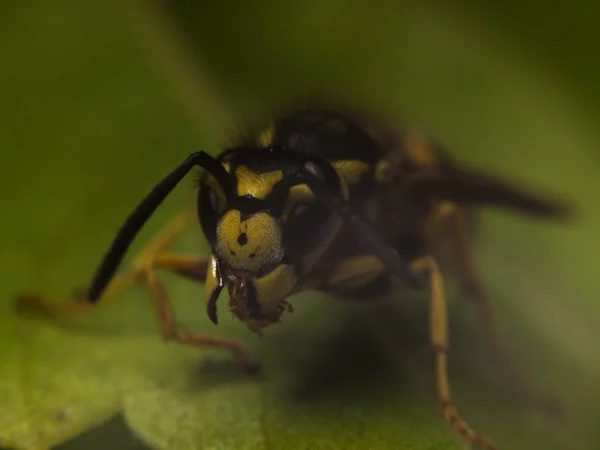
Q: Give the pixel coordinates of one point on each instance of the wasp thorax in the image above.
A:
(250, 243)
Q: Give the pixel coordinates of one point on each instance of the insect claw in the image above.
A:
(211, 311)
(286, 305)
(254, 311)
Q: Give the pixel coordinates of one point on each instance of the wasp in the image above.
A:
(339, 202)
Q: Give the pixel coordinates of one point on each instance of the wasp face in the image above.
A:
(250, 244)
(263, 232)
(249, 248)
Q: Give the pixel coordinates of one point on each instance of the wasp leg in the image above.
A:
(460, 225)
(166, 317)
(439, 341)
(34, 303)
(361, 277)
(368, 267)
(356, 270)
(143, 269)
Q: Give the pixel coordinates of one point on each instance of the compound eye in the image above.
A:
(213, 200)
(210, 208)
(212, 195)
(303, 230)
(315, 170)
(299, 209)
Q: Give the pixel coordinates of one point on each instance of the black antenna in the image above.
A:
(144, 210)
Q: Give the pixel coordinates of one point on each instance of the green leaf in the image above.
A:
(99, 102)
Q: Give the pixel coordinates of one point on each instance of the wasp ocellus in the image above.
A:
(336, 202)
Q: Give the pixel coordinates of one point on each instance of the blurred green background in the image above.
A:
(100, 100)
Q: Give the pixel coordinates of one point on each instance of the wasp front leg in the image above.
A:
(143, 270)
(195, 269)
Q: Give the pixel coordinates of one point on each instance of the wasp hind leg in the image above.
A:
(439, 340)
(369, 269)
(143, 270)
(460, 223)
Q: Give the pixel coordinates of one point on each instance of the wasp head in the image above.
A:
(266, 229)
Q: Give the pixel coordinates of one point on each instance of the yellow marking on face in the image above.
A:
(297, 194)
(265, 139)
(211, 282)
(274, 287)
(351, 171)
(302, 193)
(250, 244)
(257, 185)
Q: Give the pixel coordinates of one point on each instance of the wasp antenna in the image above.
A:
(142, 213)
(460, 186)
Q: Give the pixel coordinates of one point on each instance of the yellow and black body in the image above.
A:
(342, 203)
(279, 238)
